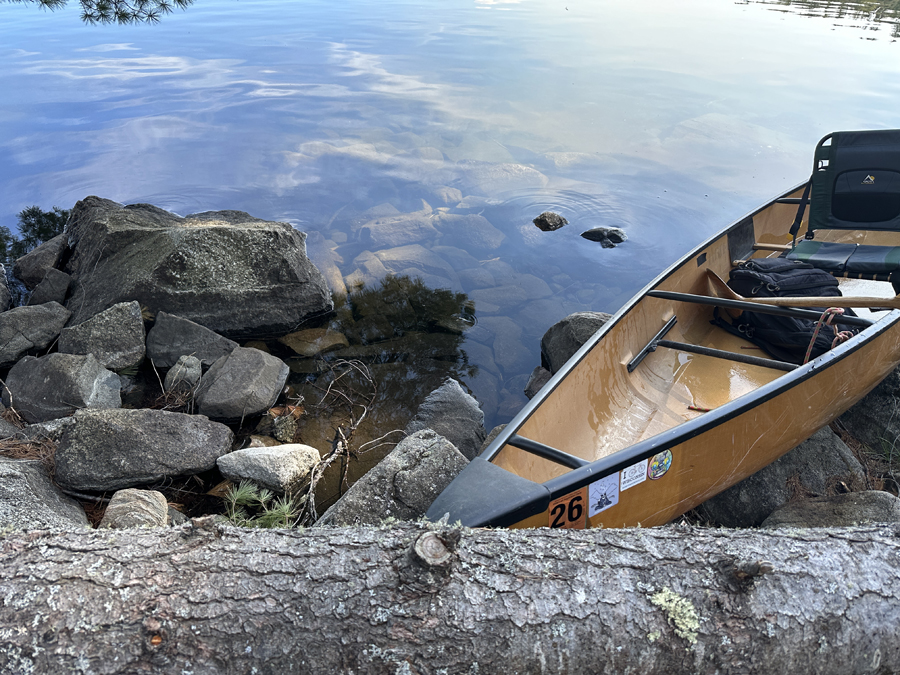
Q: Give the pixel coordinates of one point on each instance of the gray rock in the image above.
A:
(278, 467)
(30, 501)
(173, 337)
(54, 287)
(114, 336)
(874, 420)
(57, 385)
(136, 508)
(8, 429)
(491, 436)
(814, 466)
(844, 510)
(235, 274)
(113, 449)
(566, 337)
(549, 221)
(5, 295)
(608, 237)
(539, 377)
(453, 414)
(176, 517)
(32, 267)
(25, 329)
(184, 376)
(510, 353)
(242, 384)
(403, 485)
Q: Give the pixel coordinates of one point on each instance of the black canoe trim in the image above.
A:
(624, 458)
(547, 452)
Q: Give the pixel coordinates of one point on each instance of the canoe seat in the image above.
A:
(855, 185)
(847, 259)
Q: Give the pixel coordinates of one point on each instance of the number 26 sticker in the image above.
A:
(570, 511)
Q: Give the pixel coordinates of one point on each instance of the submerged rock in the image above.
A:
(549, 221)
(235, 274)
(607, 236)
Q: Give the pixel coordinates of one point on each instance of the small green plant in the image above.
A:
(248, 505)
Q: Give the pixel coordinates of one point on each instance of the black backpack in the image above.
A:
(784, 338)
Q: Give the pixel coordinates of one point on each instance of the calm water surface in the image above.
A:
(421, 139)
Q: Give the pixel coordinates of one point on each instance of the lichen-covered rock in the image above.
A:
(403, 485)
(173, 337)
(30, 501)
(566, 337)
(277, 467)
(136, 508)
(452, 413)
(105, 450)
(57, 385)
(244, 383)
(26, 329)
(114, 336)
(237, 275)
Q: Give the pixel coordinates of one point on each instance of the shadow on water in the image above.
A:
(387, 347)
(116, 11)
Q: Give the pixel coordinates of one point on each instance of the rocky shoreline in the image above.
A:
(128, 385)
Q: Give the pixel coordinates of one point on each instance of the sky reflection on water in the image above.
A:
(667, 119)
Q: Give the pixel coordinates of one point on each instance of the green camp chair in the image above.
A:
(855, 185)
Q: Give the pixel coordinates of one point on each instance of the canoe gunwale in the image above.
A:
(578, 478)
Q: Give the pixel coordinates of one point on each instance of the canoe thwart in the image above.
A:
(651, 346)
(752, 306)
(729, 356)
(546, 452)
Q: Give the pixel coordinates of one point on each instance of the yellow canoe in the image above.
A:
(634, 431)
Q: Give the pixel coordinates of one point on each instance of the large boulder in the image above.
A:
(235, 274)
(566, 337)
(244, 383)
(26, 329)
(32, 267)
(57, 385)
(453, 414)
(403, 485)
(817, 467)
(844, 510)
(104, 450)
(173, 337)
(115, 337)
(30, 501)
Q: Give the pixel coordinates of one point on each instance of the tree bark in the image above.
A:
(415, 598)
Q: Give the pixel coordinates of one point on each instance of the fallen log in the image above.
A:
(418, 598)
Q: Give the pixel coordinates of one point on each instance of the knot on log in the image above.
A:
(739, 574)
(431, 550)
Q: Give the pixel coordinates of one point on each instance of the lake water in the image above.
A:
(421, 138)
